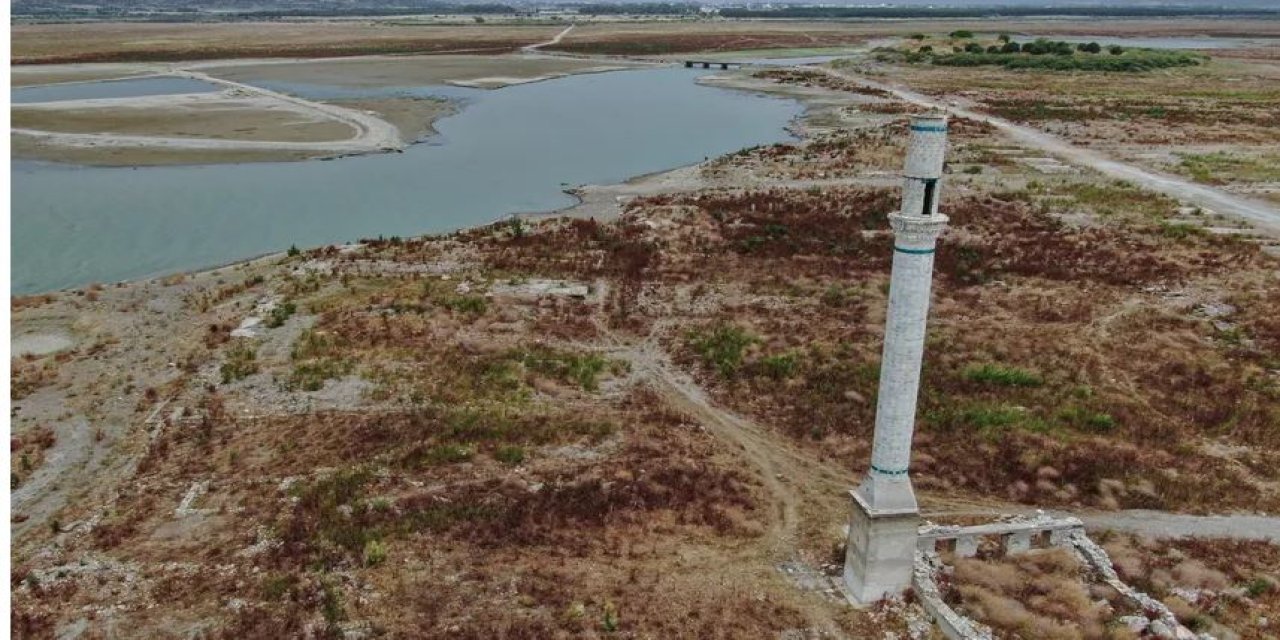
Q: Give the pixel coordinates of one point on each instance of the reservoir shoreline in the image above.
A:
(572, 201)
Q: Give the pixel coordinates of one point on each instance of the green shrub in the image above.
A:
(722, 347)
(1179, 231)
(331, 606)
(1033, 55)
(961, 34)
(1257, 587)
(277, 586)
(1002, 376)
(509, 454)
(279, 314)
(473, 305)
(241, 363)
(780, 366)
(374, 553)
(314, 344)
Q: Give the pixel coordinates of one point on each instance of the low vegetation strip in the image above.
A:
(1059, 55)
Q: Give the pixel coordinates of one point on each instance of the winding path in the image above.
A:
(533, 48)
(1265, 217)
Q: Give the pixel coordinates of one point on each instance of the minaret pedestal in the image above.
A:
(880, 554)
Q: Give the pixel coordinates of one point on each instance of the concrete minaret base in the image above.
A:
(880, 552)
(882, 531)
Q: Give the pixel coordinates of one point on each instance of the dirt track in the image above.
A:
(1264, 216)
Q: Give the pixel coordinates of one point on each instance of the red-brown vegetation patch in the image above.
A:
(1220, 586)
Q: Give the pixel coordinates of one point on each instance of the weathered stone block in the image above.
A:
(1017, 542)
(967, 546)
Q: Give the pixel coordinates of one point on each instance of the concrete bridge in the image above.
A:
(707, 64)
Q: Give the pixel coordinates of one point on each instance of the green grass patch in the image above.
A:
(583, 370)
(1222, 167)
(444, 454)
(989, 420)
(473, 425)
(311, 375)
(468, 304)
(722, 347)
(316, 359)
(1119, 198)
(1083, 419)
(509, 454)
(780, 366)
(1002, 376)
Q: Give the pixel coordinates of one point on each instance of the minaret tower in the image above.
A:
(882, 532)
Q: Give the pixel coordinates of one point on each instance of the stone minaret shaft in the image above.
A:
(882, 532)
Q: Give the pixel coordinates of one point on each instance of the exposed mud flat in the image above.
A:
(40, 344)
(223, 116)
(414, 117)
(404, 71)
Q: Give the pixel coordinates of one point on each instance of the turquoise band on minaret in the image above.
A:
(919, 252)
(888, 472)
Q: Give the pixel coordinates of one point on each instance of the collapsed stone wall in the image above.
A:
(1017, 532)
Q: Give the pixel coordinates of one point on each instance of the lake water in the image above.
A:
(110, 89)
(510, 150)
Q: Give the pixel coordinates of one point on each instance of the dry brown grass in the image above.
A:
(108, 42)
(1038, 594)
(1220, 586)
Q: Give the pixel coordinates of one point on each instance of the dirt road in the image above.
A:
(1160, 524)
(533, 48)
(1265, 217)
